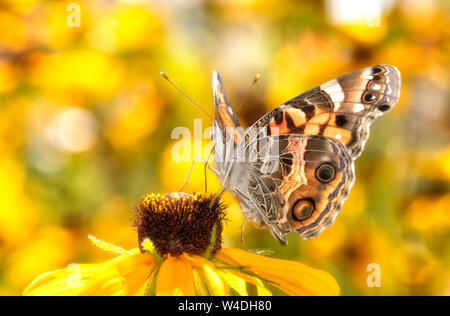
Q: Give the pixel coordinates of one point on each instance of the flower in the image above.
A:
(180, 253)
(180, 222)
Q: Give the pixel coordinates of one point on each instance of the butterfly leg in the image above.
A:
(207, 160)
(256, 251)
(188, 175)
(208, 165)
(196, 159)
(243, 232)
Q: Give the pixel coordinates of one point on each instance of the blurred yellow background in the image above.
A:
(86, 121)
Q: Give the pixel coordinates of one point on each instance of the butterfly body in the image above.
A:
(293, 169)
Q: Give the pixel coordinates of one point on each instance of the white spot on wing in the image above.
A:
(375, 86)
(358, 107)
(334, 90)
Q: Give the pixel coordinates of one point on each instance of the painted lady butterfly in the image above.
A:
(293, 169)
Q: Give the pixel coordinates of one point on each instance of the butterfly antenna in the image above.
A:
(257, 76)
(181, 91)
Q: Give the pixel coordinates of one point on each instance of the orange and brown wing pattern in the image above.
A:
(299, 158)
(342, 109)
(224, 116)
(316, 184)
(306, 189)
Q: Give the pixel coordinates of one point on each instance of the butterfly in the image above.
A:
(293, 169)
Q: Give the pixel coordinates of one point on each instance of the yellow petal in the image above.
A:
(215, 283)
(260, 287)
(291, 277)
(123, 275)
(208, 276)
(201, 287)
(67, 281)
(107, 246)
(126, 276)
(262, 291)
(235, 282)
(218, 280)
(175, 277)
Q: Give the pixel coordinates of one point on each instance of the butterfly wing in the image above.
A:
(227, 132)
(298, 168)
(296, 183)
(342, 109)
(224, 116)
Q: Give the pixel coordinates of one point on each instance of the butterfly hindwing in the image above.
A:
(302, 187)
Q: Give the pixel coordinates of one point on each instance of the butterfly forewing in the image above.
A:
(342, 108)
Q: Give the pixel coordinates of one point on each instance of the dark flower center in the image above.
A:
(180, 222)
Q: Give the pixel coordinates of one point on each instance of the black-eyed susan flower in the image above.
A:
(180, 253)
